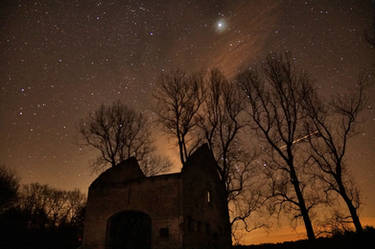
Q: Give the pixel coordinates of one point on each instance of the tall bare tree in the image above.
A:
(275, 96)
(118, 133)
(9, 185)
(334, 123)
(220, 124)
(178, 98)
(195, 108)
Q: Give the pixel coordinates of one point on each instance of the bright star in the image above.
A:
(221, 26)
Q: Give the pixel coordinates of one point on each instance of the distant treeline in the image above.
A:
(344, 240)
(39, 216)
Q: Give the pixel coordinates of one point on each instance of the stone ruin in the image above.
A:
(127, 210)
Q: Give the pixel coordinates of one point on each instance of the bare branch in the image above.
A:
(275, 97)
(117, 133)
(335, 123)
(178, 99)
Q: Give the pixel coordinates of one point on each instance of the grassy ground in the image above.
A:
(347, 240)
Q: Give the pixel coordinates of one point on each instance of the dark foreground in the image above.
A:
(348, 240)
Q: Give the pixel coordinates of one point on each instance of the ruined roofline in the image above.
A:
(130, 171)
(141, 180)
(201, 151)
(126, 170)
(164, 175)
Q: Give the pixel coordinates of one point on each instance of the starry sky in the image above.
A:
(61, 59)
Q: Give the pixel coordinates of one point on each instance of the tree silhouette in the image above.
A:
(118, 133)
(275, 95)
(178, 98)
(8, 188)
(49, 207)
(155, 164)
(221, 125)
(43, 217)
(335, 122)
(197, 108)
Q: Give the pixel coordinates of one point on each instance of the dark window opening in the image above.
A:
(216, 236)
(208, 230)
(198, 226)
(164, 232)
(190, 224)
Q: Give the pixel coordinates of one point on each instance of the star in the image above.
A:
(221, 26)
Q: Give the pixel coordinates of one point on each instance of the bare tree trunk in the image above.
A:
(180, 147)
(178, 99)
(275, 96)
(335, 124)
(228, 227)
(302, 205)
(352, 209)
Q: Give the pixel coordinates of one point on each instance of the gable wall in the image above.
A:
(159, 197)
(206, 223)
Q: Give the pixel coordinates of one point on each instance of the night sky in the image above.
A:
(60, 59)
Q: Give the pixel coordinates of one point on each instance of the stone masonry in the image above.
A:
(127, 210)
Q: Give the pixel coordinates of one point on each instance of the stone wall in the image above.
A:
(187, 209)
(205, 212)
(159, 197)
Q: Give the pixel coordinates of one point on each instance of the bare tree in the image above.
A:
(155, 165)
(335, 122)
(275, 106)
(195, 109)
(243, 207)
(336, 223)
(118, 133)
(9, 185)
(178, 98)
(220, 124)
(50, 207)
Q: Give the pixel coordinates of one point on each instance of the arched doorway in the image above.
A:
(129, 230)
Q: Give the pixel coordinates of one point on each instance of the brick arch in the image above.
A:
(129, 229)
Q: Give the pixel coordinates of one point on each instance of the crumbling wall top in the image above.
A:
(123, 172)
